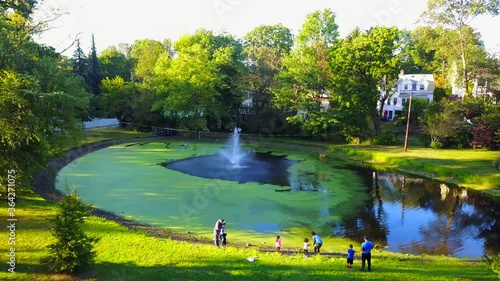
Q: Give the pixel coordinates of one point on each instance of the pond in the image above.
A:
(404, 213)
(421, 216)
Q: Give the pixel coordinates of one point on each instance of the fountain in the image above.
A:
(234, 164)
(233, 152)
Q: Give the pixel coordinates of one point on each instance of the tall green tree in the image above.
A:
(202, 81)
(94, 74)
(305, 80)
(439, 51)
(457, 15)
(79, 61)
(363, 63)
(265, 48)
(115, 63)
(41, 102)
(145, 54)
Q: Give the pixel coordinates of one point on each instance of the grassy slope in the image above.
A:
(470, 168)
(127, 255)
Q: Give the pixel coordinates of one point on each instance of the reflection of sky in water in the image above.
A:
(262, 227)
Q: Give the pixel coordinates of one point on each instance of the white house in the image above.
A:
(418, 85)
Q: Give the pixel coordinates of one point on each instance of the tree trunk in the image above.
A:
(465, 74)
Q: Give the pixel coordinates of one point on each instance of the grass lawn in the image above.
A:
(94, 135)
(470, 168)
(133, 255)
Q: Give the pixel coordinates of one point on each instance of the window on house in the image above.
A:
(421, 86)
(406, 87)
(404, 100)
(395, 101)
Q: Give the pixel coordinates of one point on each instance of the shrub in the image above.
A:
(385, 139)
(73, 250)
(496, 163)
(436, 145)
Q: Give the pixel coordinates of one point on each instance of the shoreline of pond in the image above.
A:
(45, 187)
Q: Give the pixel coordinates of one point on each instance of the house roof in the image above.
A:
(416, 78)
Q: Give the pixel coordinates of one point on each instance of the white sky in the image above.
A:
(123, 21)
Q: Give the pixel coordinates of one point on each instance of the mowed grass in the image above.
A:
(94, 135)
(134, 255)
(470, 168)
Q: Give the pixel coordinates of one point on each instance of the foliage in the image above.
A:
(438, 94)
(304, 85)
(458, 14)
(494, 261)
(418, 107)
(74, 250)
(41, 101)
(486, 131)
(385, 139)
(94, 75)
(201, 87)
(360, 63)
(444, 123)
(145, 54)
(264, 47)
(115, 63)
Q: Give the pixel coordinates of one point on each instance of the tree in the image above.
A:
(115, 63)
(363, 63)
(418, 107)
(79, 61)
(41, 103)
(444, 123)
(486, 125)
(145, 53)
(265, 47)
(458, 14)
(94, 74)
(305, 80)
(74, 250)
(198, 77)
(23, 7)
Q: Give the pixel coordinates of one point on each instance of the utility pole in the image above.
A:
(408, 124)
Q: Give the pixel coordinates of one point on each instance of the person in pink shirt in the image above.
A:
(278, 243)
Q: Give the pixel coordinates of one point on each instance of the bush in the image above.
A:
(436, 145)
(494, 262)
(385, 139)
(496, 163)
(74, 250)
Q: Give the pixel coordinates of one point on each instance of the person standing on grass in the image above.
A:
(278, 243)
(217, 229)
(350, 257)
(317, 241)
(306, 247)
(366, 254)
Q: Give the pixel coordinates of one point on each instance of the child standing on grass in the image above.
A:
(306, 246)
(278, 243)
(350, 257)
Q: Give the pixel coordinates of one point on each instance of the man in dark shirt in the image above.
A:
(366, 256)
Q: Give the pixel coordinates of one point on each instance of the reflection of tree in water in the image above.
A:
(308, 181)
(368, 221)
(455, 218)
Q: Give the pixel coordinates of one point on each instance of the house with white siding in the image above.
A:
(417, 85)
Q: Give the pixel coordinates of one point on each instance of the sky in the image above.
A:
(124, 21)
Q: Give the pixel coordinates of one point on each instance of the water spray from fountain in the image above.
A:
(233, 152)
